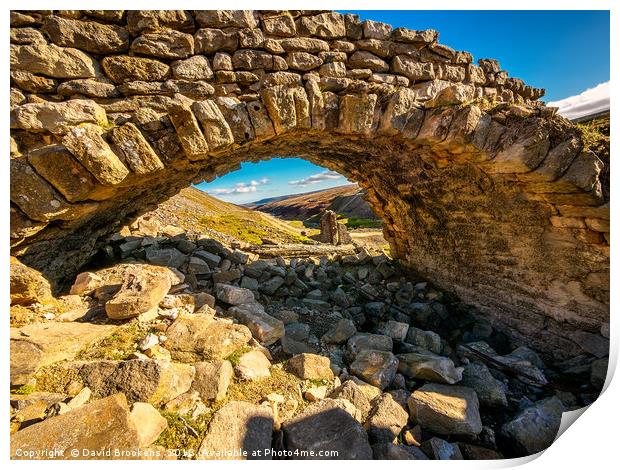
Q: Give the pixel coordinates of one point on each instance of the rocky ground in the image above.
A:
(184, 347)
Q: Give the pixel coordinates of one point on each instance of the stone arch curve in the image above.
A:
(483, 189)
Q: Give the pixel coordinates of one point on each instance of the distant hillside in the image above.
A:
(345, 200)
(198, 212)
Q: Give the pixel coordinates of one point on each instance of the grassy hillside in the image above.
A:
(196, 211)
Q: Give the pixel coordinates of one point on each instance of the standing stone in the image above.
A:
(333, 231)
(446, 409)
(327, 426)
(238, 431)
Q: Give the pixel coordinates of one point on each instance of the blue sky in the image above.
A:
(565, 52)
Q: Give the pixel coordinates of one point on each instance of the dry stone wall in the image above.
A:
(482, 188)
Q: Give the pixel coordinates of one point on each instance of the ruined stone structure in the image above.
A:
(483, 189)
(333, 231)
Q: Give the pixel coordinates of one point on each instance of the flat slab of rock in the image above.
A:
(151, 381)
(324, 427)
(193, 338)
(265, 328)
(100, 426)
(429, 366)
(378, 368)
(446, 409)
(40, 344)
(534, 429)
(238, 431)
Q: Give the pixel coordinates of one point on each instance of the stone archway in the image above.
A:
(483, 189)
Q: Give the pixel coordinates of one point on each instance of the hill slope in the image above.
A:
(345, 200)
(195, 211)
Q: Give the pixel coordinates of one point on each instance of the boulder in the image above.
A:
(194, 338)
(310, 367)
(104, 425)
(253, 365)
(340, 332)
(142, 290)
(265, 328)
(428, 366)
(233, 295)
(326, 426)
(491, 392)
(378, 368)
(212, 379)
(238, 431)
(151, 381)
(534, 429)
(446, 409)
(386, 419)
(27, 285)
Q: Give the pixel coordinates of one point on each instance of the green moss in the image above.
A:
(24, 390)
(234, 357)
(118, 345)
(591, 135)
(178, 434)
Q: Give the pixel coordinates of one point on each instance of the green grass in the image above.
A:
(242, 229)
(178, 436)
(359, 222)
(118, 345)
(234, 357)
(24, 390)
(591, 135)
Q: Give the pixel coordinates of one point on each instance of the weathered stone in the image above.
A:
(148, 422)
(138, 153)
(198, 337)
(386, 419)
(310, 45)
(141, 291)
(302, 61)
(357, 114)
(27, 285)
(264, 327)
(88, 36)
(212, 379)
(325, 26)
(26, 36)
(209, 41)
(364, 341)
(32, 83)
(239, 431)
(104, 425)
(367, 60)
(233, 295)
(151, 381)
(281, 25)
(88, 87)
(226, 18)
(491, 392)
(350, 391)
(378, 368)
(446, 409)
(57, 117)
(121, 69)
(53, 61)
(327, 426)
(534, 429)
(310, 366)
(189, 133)
(443, 450)
(389, 451)
(428, 366)
(168, 44)
(153, 20)
(428, 340)
(194, 68)
(455, 94)
(376, 29)
(340, 332)
(252, 365)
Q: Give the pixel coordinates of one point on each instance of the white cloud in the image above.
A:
(316, 178)
(591, 101)
(240, 188)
